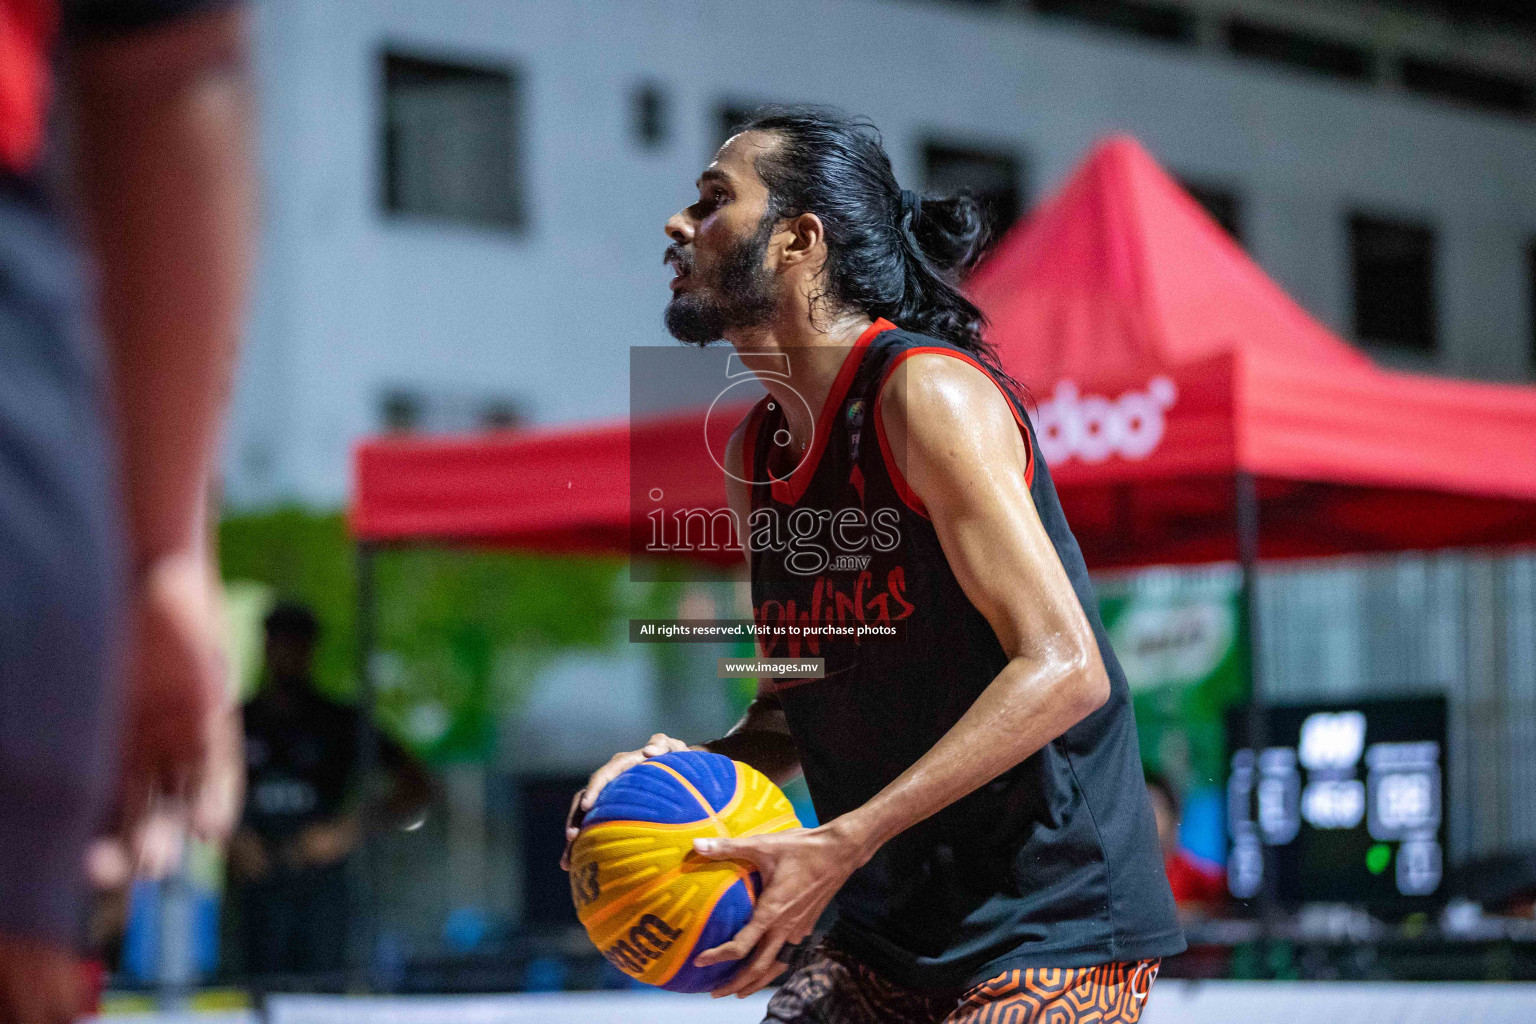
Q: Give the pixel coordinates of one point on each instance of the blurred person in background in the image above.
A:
(1198, 887)
(306, 810)
(123, 265)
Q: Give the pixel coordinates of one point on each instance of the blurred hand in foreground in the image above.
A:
(183, 768)
(619, 763)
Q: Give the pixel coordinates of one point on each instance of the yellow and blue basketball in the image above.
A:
(648, 902)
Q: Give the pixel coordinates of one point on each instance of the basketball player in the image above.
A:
(987, 842)
(110, 399)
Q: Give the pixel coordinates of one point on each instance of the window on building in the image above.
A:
(1149, 20)
(1299, 50)
(995, 176)
(400, 411)
(500, 414)
(1221, 203)
(451, 141)
(1469, 86)
(1394, 282)
(650, 114)
(406, 409)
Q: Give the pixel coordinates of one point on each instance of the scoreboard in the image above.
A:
(1349, 797)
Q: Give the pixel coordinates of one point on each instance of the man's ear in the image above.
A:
(807, 238)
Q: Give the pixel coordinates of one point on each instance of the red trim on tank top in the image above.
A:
(749, 440)
(900, 481)
(791, 489)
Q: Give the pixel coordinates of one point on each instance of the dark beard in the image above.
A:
(745, 288)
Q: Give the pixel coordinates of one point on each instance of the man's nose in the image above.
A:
(679, 228)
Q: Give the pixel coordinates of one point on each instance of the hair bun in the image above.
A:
(952, 232)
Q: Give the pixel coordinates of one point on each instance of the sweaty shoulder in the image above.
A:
(931, 393)
(947, 429)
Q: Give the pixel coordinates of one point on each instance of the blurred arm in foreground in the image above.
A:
(159, 112)
(165, 182)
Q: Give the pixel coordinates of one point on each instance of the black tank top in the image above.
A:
(1055, 863)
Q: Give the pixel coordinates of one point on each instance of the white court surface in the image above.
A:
(1172, 1002)
(555, 1008)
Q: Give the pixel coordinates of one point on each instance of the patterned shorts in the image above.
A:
(830, 987)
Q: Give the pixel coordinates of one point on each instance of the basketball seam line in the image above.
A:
(708, 810)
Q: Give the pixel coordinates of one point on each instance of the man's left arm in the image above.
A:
(963, 454)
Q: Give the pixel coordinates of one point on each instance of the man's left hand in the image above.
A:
(802, 870)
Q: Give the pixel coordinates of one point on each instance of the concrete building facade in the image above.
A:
(368, 313)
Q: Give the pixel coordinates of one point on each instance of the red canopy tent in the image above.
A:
(1166, 364)
(562, 489)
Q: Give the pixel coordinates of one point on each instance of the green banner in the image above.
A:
(1176, 633)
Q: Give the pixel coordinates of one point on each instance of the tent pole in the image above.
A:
(365, 873)
(1247, 494)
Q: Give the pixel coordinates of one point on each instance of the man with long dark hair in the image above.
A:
(987, 843)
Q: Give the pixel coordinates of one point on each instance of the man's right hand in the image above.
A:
(619, 763)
